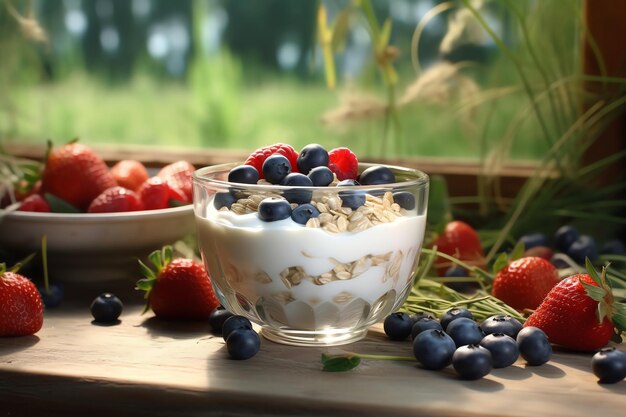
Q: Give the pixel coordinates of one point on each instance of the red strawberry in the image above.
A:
(179, 175)
(259, 156)
(35, 202)
(22, 309)
(115, 199)
(524, 283)
(75, 174)
(460, 241)
(157, 194)
(129, 173)
(579, 313)
(180, 289)
(343, 162)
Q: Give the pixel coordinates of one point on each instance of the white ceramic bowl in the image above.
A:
(95, 247)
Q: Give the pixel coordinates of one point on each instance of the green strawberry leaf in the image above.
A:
(501, 261)
(145, 284)
(58, 205)
(603, 311)
(596, 293)
(518, 251)
(619, 320)
(339, 363)
(592, 271)
(147, 272)
(156, 259)
(168, 254)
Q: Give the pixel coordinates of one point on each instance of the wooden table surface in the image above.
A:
(145, 367)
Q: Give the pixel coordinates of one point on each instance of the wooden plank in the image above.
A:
(147, 367)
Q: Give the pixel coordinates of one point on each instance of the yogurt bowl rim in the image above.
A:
(421, 179)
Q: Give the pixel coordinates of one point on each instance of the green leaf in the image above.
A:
(58, 205)
(594, 292)
(168, 254)
(340, 30)
(385, 34)
(603, 311)
(592, 271)
(501, 261)
(619, 320)
(518, 251)
(147, 272)
(145, 284)
(156, 259)
(339, 363)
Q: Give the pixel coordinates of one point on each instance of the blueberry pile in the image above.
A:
(313, 171)
(569, 241)
(473, 349)
(242, 342)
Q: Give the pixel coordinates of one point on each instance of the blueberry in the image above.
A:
(534, 239)
(472, 362)
(453, 314)
(321, 176)
(505, 324)
(273, 209)
(243, 344)
(433, 349)
(303, 213)
(404, 199)
(584, 247)
(353, 199)
(564, 237)
(233, 323)
(609, 365)
(398, 326)
(534, 346)
(464, 331)
(275, 168)
(218, 317)
(613, 247)
(52, 296)
(298, 196)
(378, 174)
(245, 174)
(503, 348)
(424, 324)
(455, 271)
(420, 315)
(312, 156)
(224, 199)
(106, 308)
(558, 262)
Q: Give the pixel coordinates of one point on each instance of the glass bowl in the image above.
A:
(316, 284)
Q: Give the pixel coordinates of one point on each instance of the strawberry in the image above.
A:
(35, 202)
(22, 309)
(157, 194)
(524, 283)
(343, 162)
(129, 173)
(180, 289)
(115, 199)
(259, 156)
(179, 175)
(75, 173)
(579, 313)
(460, 241)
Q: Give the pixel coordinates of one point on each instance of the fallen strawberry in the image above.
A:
(524, 283)
(179, 289)
(22, 309)
(459, 240)
(580, 312)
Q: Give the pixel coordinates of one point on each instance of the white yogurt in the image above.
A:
(245, 257)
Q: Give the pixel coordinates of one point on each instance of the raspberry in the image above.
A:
(343, 162)
(259, 156)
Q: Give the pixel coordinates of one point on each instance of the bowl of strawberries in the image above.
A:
(97, 219)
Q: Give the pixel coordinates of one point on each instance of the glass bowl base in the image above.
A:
(331, 337)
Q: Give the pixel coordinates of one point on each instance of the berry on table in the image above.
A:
(275, 168)
(420, 315)
(433, 349)
(423, 324)
(564, 237)
(582, 248)
(51, 296)
(321, 176)
(298, 196)
(259, 156)
(243, 344)
(312, 156)
(273, 209)
(233, 323)
(453, 314)
(404, 199)
(503, 348)
(398, 326)
(464, 331)
(534, 346)
(303, 213)
(106, 308)
(218, 317)
(609, 365)
(22, 309)
(505, 324)
(344, 163)
(244, 174)
(461, 241)
(472, 362)
(613, 247)
(378, 174)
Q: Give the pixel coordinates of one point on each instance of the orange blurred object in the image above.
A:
(129, 174)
